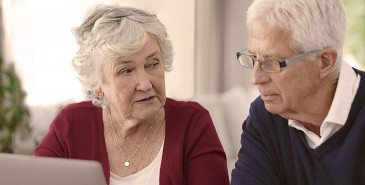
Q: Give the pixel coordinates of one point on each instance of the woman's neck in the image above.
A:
(127, 128)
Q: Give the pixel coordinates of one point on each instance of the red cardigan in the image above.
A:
(192, 153)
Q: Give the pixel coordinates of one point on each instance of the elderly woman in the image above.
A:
(129, 126)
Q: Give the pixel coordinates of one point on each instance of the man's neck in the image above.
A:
(317, 109)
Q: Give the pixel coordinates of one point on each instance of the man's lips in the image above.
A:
(268, 96)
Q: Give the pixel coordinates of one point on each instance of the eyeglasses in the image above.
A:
(270, 65)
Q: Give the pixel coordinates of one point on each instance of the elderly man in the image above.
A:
(308, 125)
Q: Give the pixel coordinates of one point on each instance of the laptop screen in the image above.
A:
(28, 170)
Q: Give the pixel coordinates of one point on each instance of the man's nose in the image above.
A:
(259, 76)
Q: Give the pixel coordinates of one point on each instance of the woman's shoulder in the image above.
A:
(81, 110)
(179, 104)
(185, 117)
(79, 107)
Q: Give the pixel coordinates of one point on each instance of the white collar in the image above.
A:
(344, 95)
(347, 86)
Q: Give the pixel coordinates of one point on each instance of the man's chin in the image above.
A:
(273, 108)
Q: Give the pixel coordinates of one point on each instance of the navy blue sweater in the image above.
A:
(274, 153)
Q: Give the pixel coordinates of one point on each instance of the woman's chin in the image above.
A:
(148, 113)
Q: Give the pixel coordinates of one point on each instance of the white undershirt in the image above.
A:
(347, 86)
(147, 176)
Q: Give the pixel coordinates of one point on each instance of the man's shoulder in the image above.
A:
(260, 117)
(258, 103)
(358, 71)
(257, 108)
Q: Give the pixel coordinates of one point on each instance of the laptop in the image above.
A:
(27, 170)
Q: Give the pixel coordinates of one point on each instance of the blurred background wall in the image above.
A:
(205, 35)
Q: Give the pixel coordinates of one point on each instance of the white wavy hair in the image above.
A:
(109, 32)
(313, 24)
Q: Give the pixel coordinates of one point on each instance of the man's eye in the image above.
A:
(253, 58)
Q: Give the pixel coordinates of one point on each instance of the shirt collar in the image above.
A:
(344, 95)
(341, 104)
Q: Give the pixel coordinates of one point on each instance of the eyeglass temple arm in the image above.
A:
(294, 59)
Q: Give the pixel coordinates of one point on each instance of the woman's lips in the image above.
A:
(146, 100)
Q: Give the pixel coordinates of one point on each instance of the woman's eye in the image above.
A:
(125, 72)
(154, 64)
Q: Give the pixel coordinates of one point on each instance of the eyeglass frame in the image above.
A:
(282, 64)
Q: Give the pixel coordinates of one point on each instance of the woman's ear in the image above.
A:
(99, 93)
(328, 60)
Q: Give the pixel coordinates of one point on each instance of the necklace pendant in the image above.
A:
(126, 164)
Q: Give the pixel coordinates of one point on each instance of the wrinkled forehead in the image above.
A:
(268, 41)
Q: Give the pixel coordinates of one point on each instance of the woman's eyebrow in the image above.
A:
(121, 62)
(152, 55)
(125, 62)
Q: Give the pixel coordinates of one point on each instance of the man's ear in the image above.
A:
(328, 58)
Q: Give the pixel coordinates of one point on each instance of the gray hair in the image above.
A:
(313, 24)
(109, 32)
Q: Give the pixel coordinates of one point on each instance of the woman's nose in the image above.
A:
(259, 76)
(144, 82)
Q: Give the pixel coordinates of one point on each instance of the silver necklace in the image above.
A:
(127, 160)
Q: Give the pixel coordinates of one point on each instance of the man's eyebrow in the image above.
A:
(249, 51)
(267, 56)
(263, 56)
(254, 54)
